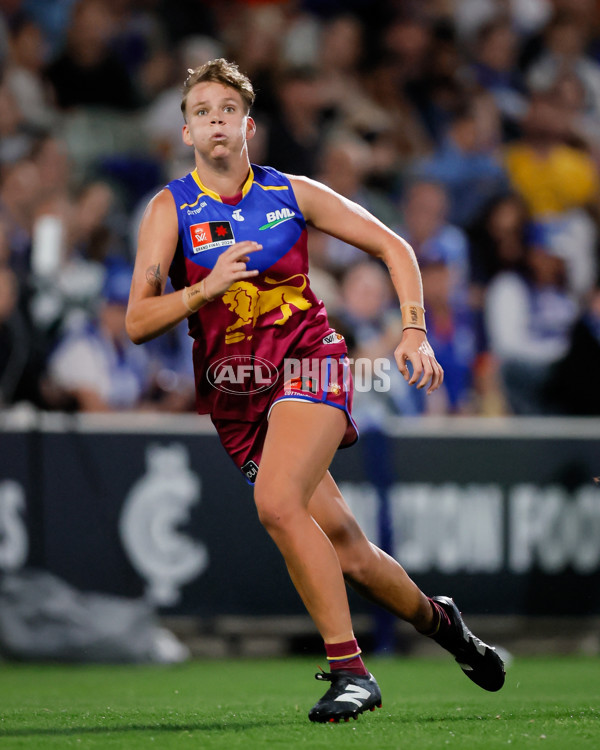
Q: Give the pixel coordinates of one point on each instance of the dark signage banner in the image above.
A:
(507, 520)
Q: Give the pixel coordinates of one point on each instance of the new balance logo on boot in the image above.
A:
(349, 695)
(354, 694)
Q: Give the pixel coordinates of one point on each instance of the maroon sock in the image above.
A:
(441, 621)
(345, 656)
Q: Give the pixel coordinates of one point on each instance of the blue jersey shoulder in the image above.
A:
(186, 191)
(269, 176)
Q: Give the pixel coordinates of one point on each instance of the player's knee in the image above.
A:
(276, 510)
(275, 517)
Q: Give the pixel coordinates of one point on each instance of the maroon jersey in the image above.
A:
(244, 338)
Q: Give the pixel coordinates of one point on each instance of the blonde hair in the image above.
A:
(219, 71)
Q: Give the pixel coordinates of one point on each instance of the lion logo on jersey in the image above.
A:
(249, 303)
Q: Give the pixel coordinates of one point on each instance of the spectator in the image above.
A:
(559, 183)
(95, 368)
(565, 41)
(302, 36)
(582, 356)
(529, 317)
(498, 242)
(19, 193)
(92, 243)
(551, 176)
(189, 16)
(574, 237)
(367, 310)
(441, 89)
(345, 163)
(163, 118)
(137, 35)
(15, 137)
(582, 127)
(495, 69)
(408, 39)
(389, 110)
(24, 74)
(53, 18)
(87, 73)
(254, 35)
(527, 16)
(50, 155)
(450, 324)
(471, 174)
(498, 239)
(296, 129)
(339, 63)
(341, 52)
(172, 387)
(13, 339)
(425, 226)
(18, 359)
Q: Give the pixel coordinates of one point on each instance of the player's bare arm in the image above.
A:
(151, 312)
(332, 213)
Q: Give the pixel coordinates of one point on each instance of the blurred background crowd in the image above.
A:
(471, 127)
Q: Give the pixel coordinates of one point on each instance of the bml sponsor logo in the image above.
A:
(275, 218)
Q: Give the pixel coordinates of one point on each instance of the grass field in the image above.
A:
(546, 703)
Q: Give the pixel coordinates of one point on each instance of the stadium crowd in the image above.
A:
(472, 127)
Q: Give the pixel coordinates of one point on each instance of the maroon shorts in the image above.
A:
(320, 380)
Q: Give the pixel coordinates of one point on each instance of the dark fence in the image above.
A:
(504, 515)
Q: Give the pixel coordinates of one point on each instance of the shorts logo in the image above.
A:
(242, 374)
(333, 338)
(304, 383)
(210, 234)
(250, 469)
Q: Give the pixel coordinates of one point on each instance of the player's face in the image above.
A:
(217, 124)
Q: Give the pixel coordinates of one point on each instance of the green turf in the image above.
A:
(546, 703)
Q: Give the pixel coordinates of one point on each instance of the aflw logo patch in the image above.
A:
(210, 234)
(274, 218)
(303, 383)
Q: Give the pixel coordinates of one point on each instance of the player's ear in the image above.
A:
(250, 128)
(185, 134)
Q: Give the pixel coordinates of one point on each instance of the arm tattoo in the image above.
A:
(153, 277)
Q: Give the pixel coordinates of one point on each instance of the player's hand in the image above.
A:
(230, 267)
(426, 370)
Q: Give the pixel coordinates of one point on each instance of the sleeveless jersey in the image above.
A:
(268, 318)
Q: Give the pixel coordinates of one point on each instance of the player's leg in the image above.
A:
(384, 581)
(300, 443)
(299, 446)
(369, 570)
